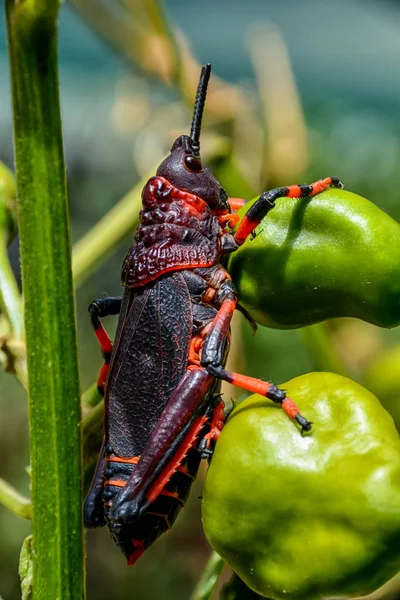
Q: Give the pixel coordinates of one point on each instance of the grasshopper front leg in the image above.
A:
(266, 202)
(212, 359)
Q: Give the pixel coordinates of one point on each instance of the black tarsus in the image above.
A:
(304, 423)
(104, 307)
(199, 107)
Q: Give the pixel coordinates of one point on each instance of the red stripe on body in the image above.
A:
(137, 553)
(118, 459)
(187, 265)
(115, 482)
(170, 494)
(176, 460)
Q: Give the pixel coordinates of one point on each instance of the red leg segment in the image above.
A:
(217, 424)
(269, 390)
(236, 203)
(212, 360)
(229, 218)
(103, 307)
(106, 349)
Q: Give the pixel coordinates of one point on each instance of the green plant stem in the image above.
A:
(89, 399)
(93, 420)
(92, 426)
(12, 338)
(10, 298)
(321, 351)
(389, 591)
(14, 358)
(14, 501)
(12, 343)
(209, 577)
(53, 390)
(107, 233)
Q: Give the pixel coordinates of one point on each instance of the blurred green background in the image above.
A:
(311, 89)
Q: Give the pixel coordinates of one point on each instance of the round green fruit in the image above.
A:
(334, 255)
(307, 517)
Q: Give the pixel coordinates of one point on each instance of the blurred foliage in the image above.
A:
(382, 377)
(236, 589)
(120, 119)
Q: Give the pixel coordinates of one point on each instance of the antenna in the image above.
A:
(199, 107)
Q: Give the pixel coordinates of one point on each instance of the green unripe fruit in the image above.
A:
(307, 517)
(334, 255)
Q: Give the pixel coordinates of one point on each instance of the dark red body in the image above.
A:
(162, 376)
(161, 314)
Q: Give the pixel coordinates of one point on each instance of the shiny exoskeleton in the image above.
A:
(162, 375)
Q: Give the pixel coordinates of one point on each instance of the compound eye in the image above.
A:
(193, 163)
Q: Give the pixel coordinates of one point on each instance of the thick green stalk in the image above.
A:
(322, 353)
(53, 388)
(207, 582)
